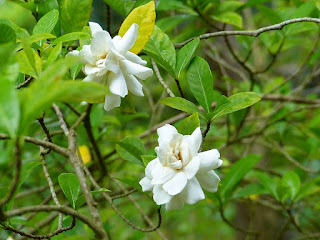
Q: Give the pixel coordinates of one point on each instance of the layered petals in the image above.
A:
(209, 181)
(209, 160)
(128, 39)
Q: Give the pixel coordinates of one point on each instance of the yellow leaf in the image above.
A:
(85, 154)
(145, 17)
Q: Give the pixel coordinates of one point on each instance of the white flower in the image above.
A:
(179, 173)
(109, 62)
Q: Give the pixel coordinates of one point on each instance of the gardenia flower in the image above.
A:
(179, 173)
(109, 62)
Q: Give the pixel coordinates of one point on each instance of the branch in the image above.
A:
(251, 33)
(289, 99)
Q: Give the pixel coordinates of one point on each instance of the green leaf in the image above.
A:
(82, 200)
(131, 149)
(161, 49)
(169, 23)
(53, 54)
(74, 14)
(32, 57)
(47, 23)
(70, 37)
(27, 168)
(70, 186)
(235, 103)
(310, 187)
(123, 7)
(7, 34)
(227, 6)
(269, 183)
(317, 3)
(37, 37)
(182, 104)
(25, 64)
(185, 55)
(189, 124)
(249, 190)
(131, 183)
(147, 158)
(292, 181)
(232, 18)
(235, 174)
(200, 80)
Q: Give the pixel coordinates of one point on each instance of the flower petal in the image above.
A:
(115, 40)
(176, 202)
(101, 43)
(176, 184)
(166, 133)
(193, 192)
(134, 58)
(86, 54)
(151, 165)
(192, 168)
(117, 84)
(146, 184)
(197, 136)
(136, 69)
(111, 101)
(160, 196)
(128, 39)
(161, 174)
(209, 160)
(90, 69)
(112, 63)
(134, 86)
(95, 27)
(209, 180)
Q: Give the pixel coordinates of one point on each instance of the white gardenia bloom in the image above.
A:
(108, 61)
(179, 173)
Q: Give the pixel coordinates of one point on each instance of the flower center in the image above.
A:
(101, 62)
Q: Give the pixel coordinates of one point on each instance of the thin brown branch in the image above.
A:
(62, 122)
(25, 83)
(251, 33)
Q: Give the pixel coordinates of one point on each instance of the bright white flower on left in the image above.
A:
(108, 61)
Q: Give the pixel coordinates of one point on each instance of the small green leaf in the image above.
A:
(182, 104)
(232, 18)
(317, 3)
(237, 102)
(25, 64)
(236, 173)
(269, 183)
(37, 37)
(70, 37)
(82, 200)
(200, 80)
(249, 190)
(161, 49)
(292, 181)
(7, 34)
(147, 158)
(123, 7)
(310, 187)
(189, 124)
(70, 186)
(33, 58)
(54, 54)
(47, 23)
(185, 55)
(131, 149)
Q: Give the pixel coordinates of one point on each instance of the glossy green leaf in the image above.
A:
(131, 149)
(317, 3)
(7, 34)
(82, 200)
(269, 183)
(189, 124)
(200, 81)
(235, 103)
(249, 190)
(54, 54)
(182, 104)
(25, 64)
(232, 18)
(310, 187)
(71, 37)
(74, 15)
(70, 186)
(123, 7)
(147, 158)
(37, 37)
(161, 49)
(32, 57)
(292, 181)
(185, 55)
(238, 170)
(47, 23)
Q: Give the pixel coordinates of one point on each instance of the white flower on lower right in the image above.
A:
(179, 172)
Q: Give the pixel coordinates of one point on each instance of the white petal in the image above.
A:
(116, 39)
(73, 53)
(146, 184)
(162, 151)
(135, 58)
(151, 165)
(117, 84)
(87, 55)
(176, 184)
(209, 160)
(160, 196)
(128, 39)
(176, 202)
(166, 133)
(208, 180)
(111, 101)
(101, 43)
(95, 27)
(193, 192)
(136, 69)
(161, 174)
(192, 168)
(134, 86)
(95, 78)
(112, 62)
(90, 69)
(89, 78)
(197, 137)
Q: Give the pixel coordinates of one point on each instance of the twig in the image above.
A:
(252, 33)
(125, 194)
(204, 134)
(31, 192)
(63, 124)
(25, 83)
(179, 88)
(164, 85)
